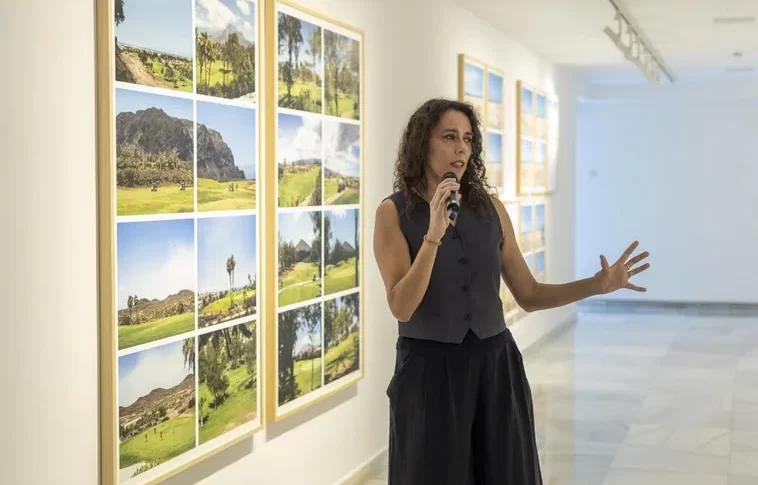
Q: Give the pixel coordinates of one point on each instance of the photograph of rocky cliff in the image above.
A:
(226, 157)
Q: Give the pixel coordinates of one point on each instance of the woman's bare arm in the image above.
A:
(405, 283)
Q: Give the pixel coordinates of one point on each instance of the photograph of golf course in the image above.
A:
(299, 257)
(526, 228)
(495, 107)
(226, 157)
(156, 280)
(228, 377)
(341, 337)
(494, 159)
(154, 43)
(342, 75)
(154, 154)
(541, 116)
(342, 162)
(473, 85)
(526, 115)
(299, 158)
(300, 352)
(227, 249)
(300, 64)
(341, 251)
(225, 43)
(539, 225)
(156, 414)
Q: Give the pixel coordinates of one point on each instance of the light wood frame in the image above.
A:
(486, 108)
(527, 127)
(265, 215)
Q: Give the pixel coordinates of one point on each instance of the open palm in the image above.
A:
(616, 276)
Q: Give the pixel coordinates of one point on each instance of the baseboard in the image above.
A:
(367, 470)
(599, 305)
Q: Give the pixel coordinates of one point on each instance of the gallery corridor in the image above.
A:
(654, 399)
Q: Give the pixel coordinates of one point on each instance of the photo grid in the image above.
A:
(187, 228)
(533, 124)
(318, 191)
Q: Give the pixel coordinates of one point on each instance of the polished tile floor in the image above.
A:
(631, 399)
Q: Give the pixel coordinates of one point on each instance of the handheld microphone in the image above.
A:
(452, 200)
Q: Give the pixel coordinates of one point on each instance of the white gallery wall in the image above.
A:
(675, 167)
(48, 353)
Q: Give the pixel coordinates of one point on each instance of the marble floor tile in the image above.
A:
(745, 416)
(746, 386)
(658, 458)
(647, 477)
(705, 441)
(683, 410)
(745, 454)
(742, 480)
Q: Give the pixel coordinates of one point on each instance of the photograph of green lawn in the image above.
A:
(156, 275)
(154, 154)
(226, 157)
(342, 337)
(227, 252)
(228, 373)
(300, 352)
(300, 64)
(225, 34)
(341, 251)
(299, 158)
(342, 162)
(156, 416)
(342, 73)
(299, 257)
(154, 43)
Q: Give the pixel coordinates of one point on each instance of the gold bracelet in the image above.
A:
(436, 243)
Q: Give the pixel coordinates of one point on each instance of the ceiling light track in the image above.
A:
(635, 49)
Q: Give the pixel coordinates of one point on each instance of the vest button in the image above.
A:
(464, 288)
(463, 261)
(467, 317)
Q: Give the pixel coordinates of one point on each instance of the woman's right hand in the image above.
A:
(438, 220)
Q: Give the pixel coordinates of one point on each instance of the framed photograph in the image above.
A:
(179, 232)
(481, 85)
(532, 138)
(315, 229)
(553, 117)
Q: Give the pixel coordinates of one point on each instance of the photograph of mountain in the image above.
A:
(299, 257)
(342, 337)
(156, 414)
(341, 251)
(226, 157)
(225, 43)
(154, 154)
(342, 162)
(154, 43)
(156, 280)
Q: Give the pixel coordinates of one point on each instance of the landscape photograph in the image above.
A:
(227, 263)
(473, 85)
(527, 111)
(495, 107)
(540, 164)
(342, 162)
(300, 64)
(494, 159)
(526, 228)
(300, 352)
(341, 251)
(299, 271)
(228, 377)
(526, 165)
(225, 43)
(154, 43)
(156, 413)
(342, 337)
(541, 116)
(539, 226)
(342, 76)
(539, 265)
(156, 280)
(226, 157)
(299, 160)
(154, 154)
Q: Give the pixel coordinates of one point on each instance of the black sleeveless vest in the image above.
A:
(464, 287)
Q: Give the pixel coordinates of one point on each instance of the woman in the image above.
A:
(460, 404)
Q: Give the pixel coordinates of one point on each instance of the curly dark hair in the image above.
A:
(413, 150)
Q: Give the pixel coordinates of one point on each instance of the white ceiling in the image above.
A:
(682, 32)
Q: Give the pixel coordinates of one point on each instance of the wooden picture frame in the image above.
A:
(532, 140)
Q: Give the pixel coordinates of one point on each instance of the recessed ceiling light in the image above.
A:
(734, 20)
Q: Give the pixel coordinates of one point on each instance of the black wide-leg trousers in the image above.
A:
(461, 414)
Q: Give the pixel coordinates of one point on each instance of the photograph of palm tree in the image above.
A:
(300, 64)
(225, 43)
(227, 269)
(341, 337)
(299, 257)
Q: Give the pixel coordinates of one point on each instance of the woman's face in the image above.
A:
(449, 146)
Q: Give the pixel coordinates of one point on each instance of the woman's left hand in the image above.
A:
(615, 277)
